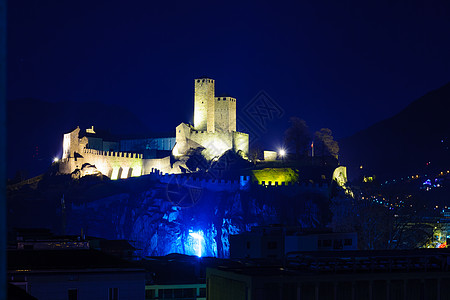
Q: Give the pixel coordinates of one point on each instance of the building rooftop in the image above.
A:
(277, 229)
(320, 262)
(40, 260)
(180, 268)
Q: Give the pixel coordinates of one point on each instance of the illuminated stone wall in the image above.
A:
(270, 155)
(204, 104)
(162, 164)
(240, 142)
(115, 165)
(232, 115)
(214, 124)
(225, 110)
(214, 130)
(72, 143)
(215, 143)
(340, 175)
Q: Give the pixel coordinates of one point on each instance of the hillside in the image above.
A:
(416, 140)
(35, 129)
(158, 216)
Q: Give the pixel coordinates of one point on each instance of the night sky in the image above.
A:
(338, 64)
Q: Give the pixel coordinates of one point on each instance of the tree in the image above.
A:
(298, 136)
(255, 152)
(324, 143)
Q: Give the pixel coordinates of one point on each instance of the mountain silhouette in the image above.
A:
(416, 140)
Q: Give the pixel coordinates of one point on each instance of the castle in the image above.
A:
(214, 124)
(213, 132)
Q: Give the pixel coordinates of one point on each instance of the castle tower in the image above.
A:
(204, 109)
(225, 113)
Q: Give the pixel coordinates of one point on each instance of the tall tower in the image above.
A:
(225, 117)
(204, 104)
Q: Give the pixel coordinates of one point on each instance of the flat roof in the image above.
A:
(70, 259)
(350, 262)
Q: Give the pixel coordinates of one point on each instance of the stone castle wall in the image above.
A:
(115, 165)
(240, 142)
(215, 143)
(244, 183)
(162, 164)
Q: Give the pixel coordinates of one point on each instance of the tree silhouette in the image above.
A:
(324, 143)
(298, 136)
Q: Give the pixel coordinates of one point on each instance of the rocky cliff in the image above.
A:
(161, 217)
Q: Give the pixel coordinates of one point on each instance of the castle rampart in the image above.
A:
(244, 183)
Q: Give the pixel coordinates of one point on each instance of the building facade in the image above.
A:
(274, 242)
(75, 275)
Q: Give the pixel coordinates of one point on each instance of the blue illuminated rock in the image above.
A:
(180, 218)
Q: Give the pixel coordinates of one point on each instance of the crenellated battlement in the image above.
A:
(113, 154)
(291, 184)
(198, 132)
(194, 182)
(243, 183)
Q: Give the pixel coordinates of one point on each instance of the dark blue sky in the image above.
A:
(338, 64)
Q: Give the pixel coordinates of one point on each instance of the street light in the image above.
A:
(282, 153)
